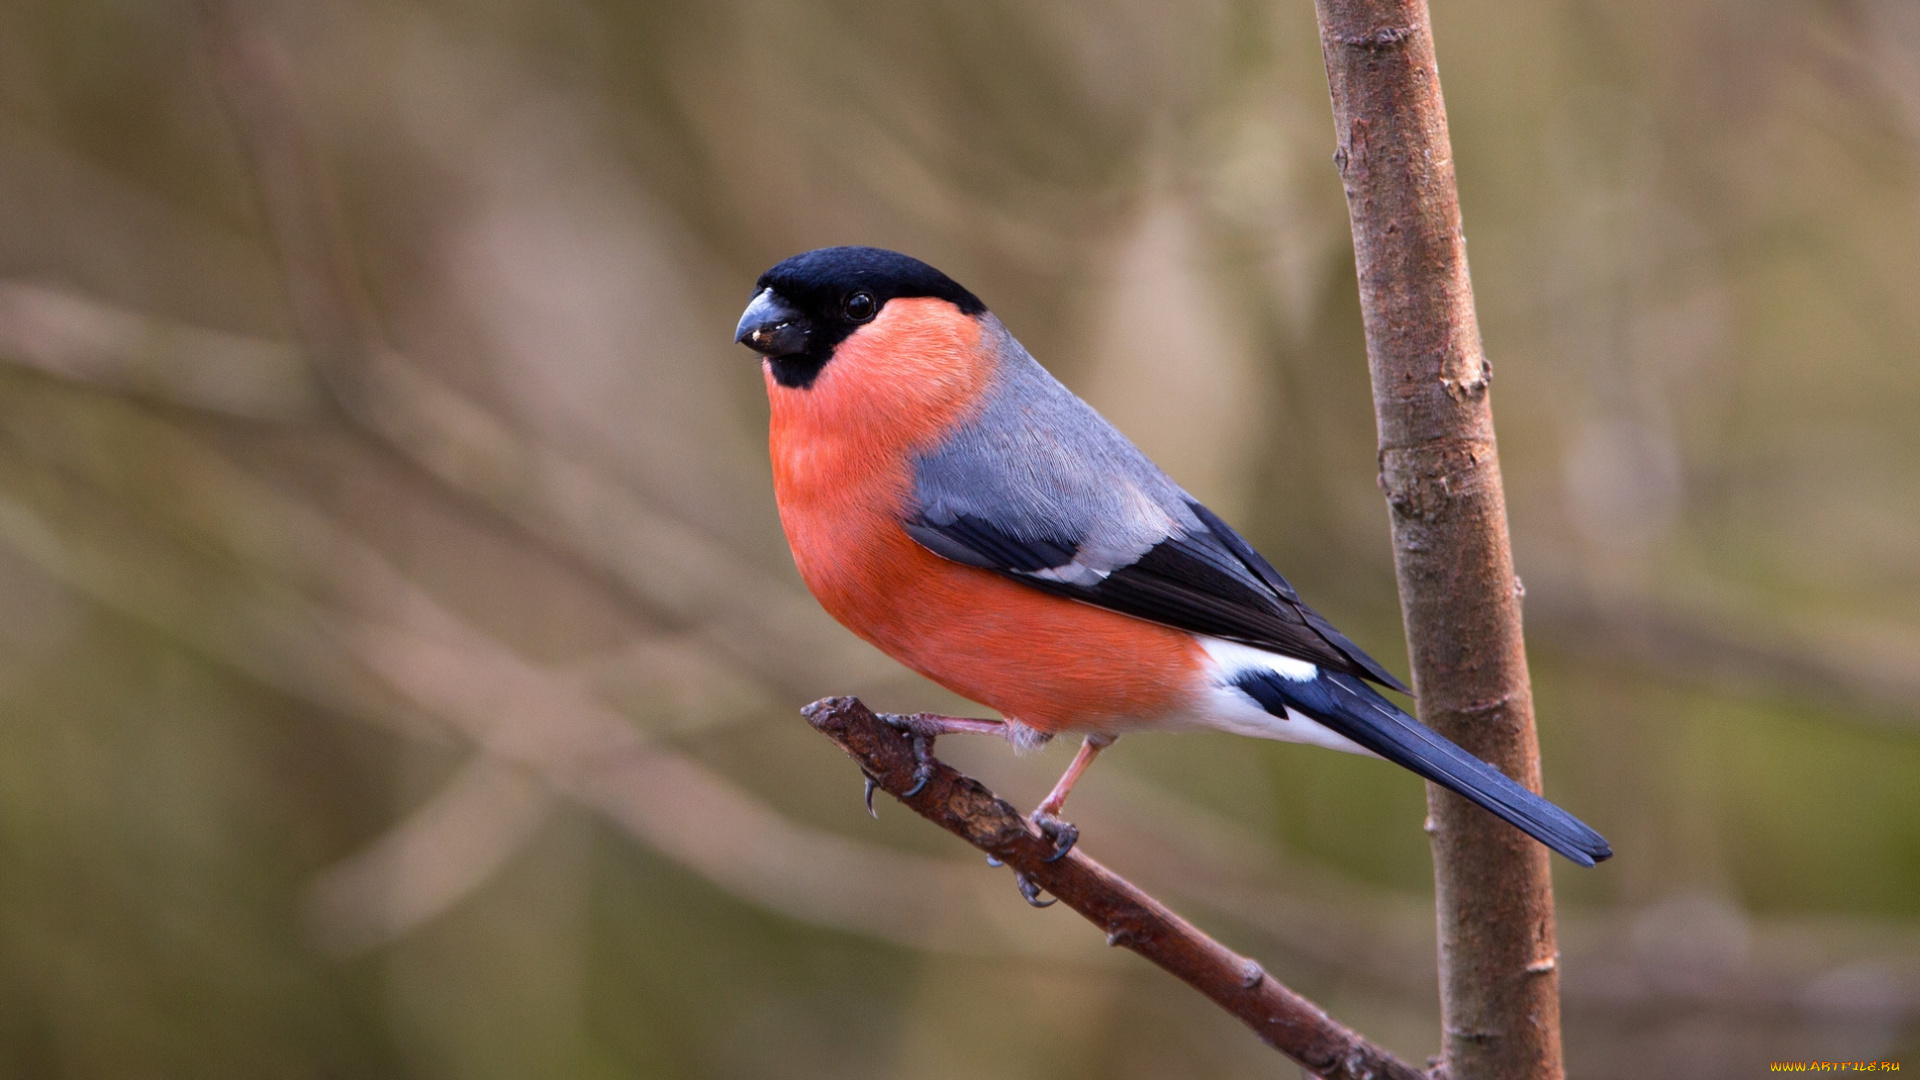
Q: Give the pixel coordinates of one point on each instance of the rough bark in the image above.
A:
(1499, 978)
(960, 804)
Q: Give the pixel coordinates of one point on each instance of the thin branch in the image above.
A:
(1440, 470)
(1281, 1018)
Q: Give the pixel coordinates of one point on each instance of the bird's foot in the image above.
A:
(921, 729)
(1030, 891)
(1064, 834)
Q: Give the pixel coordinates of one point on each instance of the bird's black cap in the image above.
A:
(808, 304)
(827, 275)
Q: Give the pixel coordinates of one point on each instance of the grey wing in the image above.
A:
(1040, 488)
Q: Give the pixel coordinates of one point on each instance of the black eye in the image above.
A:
(859, 307)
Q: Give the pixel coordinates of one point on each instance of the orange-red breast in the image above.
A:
(950, 502)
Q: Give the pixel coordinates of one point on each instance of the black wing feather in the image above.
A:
(1208, 581)
(1256, 562)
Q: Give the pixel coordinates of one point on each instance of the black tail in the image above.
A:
(1353, 709)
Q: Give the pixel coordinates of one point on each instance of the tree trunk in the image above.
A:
(1499, 977)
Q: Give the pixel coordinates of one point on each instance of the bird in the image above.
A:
(952, 503)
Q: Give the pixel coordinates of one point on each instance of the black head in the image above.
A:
(808, 304)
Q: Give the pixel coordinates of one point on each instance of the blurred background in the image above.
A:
(399, 655)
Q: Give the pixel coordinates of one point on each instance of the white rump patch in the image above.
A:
(1232, 658)
(1225, 707)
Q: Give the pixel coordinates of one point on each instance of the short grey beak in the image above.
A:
(771, 328)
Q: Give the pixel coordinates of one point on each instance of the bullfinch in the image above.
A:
(952, 503)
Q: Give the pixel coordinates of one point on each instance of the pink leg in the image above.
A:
(1089, 750)
(932, 724)
(1063, 834)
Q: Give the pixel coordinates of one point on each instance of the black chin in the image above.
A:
(796, 371)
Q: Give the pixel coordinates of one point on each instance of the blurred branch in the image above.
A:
(1866, 672)
(429, 862)
(1618, 963)
(65, 333)
(1440, 470)
(654, 558)
(1281, 1018)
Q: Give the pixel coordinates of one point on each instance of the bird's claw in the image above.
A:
(921, 739)
(1064, 834)
(1029, 891)
(867, 796)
